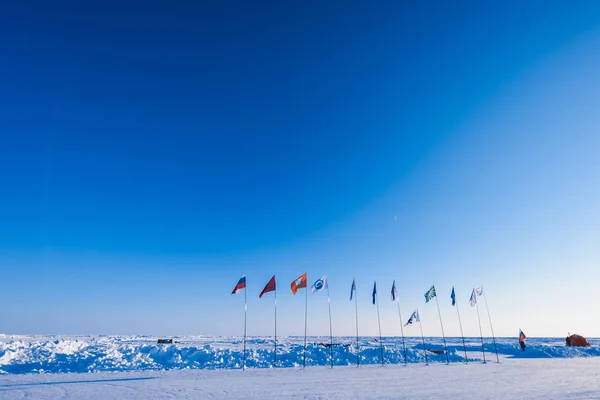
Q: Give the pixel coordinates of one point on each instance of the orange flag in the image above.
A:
(299, 283)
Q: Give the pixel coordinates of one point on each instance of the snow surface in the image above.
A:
(119, 367)
(556, 379)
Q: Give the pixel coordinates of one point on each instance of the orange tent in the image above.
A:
(578, 341)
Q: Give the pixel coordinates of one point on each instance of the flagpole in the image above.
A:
(245, 319)
(443, 334)
(491, 327)
(330, 330)
(401, 329)
(379, 322)
(480, 331)
(305, 319)
(461, 333)
(423, 338)
(275, 354)
(356, 309)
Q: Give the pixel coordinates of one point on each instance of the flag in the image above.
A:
(413, 318)
(521, 336)
(240, 285)
(374, 291)
(393, 294)
(319, 285)
(479, 291)
(269, 288)
(299, 283)
(430, 294)
(473, 299)
(353, 288)
(453, 297)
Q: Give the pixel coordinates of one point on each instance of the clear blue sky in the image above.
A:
(152, 153)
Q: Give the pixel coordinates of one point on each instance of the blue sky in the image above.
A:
(153, 153)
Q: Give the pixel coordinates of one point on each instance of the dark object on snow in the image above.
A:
(577, 341)
(328, 345)
(436, 351)
(165, 341)
(522, 344)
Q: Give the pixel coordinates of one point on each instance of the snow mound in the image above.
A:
(35, 354)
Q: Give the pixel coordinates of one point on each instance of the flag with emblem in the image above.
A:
(299, 283)
(414, 317)
(430, 294)
(319, 285)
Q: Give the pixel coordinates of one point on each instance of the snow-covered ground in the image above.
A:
(512, 379)
(205, 367)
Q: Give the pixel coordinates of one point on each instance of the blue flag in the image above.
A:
(430, 294)
(353, 288)
(374, 291)
(393, 294)
(453, 297)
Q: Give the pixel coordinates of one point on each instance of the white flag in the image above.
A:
(473, 299)
(479, 291)
(319, 285)
(413, 318)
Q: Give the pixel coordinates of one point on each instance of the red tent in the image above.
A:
(578, 341)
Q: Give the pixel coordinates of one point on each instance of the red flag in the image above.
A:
(269, 288)
(299, 283)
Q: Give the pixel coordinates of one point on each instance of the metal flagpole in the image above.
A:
(275, 355)
(305, 319)
(491, 327)
(356, 309)
(245, 319)
(480, 331)
(379, 322)
(330, 330)
(423, 338)
(461, 333)
(401, 329)
(442, 325)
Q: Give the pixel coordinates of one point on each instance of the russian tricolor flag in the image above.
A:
(521, 336)
(240, 285)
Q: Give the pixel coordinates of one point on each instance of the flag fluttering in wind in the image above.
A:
(299, 283)
(240, 285)
(430, 294)
(521, 336)
(319, 285)
(453, 297)
(473, 299)
(479, 291)
(414, 317)
(374, 291)
(269, 287)
(353, 288)
(394, 292)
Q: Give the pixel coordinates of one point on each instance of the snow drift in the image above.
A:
(35, 354)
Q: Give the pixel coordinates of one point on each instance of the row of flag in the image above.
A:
(321, 284)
